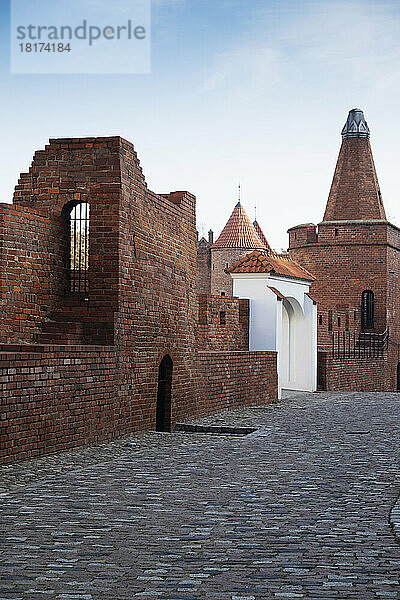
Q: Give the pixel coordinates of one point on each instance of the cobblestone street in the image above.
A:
(298, 509)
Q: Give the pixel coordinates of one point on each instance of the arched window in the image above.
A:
(367, 309)
(79, 248)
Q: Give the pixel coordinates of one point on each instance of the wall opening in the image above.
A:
(163, 410)
(78, 255)
(367, 309)
(398, 377)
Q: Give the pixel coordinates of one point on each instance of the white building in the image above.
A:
(283, 316)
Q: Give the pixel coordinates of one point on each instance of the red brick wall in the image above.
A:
(59, 399)
(359, 375)
(347, 259)
(55, 398)
(220, 257)
(228, 380)
(31, 271)
(157, 300)
(142, 296)
(88, 170)
(211, 334)
(203, 272)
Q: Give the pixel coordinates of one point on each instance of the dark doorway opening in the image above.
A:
(163, 412)
(398, 377)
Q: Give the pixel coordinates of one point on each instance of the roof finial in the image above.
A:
(356, 125)
(255, 212)
(238, 204)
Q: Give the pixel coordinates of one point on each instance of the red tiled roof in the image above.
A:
(239, 232)
(259, 261)
(276, 292)
(261, 235)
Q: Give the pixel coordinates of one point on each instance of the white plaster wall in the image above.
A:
(263, 311)
(269, 326)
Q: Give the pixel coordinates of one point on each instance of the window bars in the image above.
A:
(79, 248)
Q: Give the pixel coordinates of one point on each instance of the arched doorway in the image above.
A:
(295, 349)
(163, 411)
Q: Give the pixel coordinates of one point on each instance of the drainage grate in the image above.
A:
(216, 429)
(357, 432)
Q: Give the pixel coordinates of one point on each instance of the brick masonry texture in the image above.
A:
(358, 375)
(141, 304)
(221, 259)
(203, 271)
(59, 399)
(355, 192)
(232, 379)
(29, 271)
(232, 333)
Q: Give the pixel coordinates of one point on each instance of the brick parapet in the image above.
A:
(232, 333)
(227, 380)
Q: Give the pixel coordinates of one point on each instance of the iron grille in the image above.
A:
(359, 344)
(79, 248)
(367, 309)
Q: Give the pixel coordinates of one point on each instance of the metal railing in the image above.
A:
(359, 344)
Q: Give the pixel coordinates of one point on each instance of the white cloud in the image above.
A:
(249, 71)
(359, 40)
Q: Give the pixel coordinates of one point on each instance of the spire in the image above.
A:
(261, 235)
(238, 204)
(355, 193)
(239, 232)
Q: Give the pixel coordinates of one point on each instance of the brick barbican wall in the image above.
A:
(232, 333)
(30, 272)
(66, 172)
(230, 380)
(203, 271)
(142, 266)
(359, 375)
(220, 258)
(56, 398)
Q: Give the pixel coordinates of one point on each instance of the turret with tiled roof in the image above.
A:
(239, 237)
(355, 193)
(239, 232)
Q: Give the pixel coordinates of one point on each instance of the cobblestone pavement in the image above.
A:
(298, 509)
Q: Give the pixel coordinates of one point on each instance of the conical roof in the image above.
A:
(261, 235)
(355, 193)
(239, 232)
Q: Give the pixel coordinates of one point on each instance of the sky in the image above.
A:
(249, 91)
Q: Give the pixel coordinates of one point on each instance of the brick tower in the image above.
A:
(354, 255)
(238, 238)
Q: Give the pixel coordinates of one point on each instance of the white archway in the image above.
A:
(291, 349)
